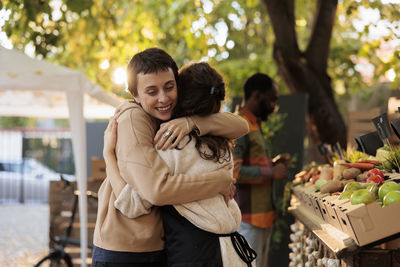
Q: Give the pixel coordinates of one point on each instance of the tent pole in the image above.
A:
(78, 129)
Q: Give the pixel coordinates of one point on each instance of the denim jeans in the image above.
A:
(258, 238)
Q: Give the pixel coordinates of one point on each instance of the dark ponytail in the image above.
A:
(201, 90)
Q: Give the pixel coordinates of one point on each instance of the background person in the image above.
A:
(254, 169)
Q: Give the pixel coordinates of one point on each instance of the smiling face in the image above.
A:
(157, 93)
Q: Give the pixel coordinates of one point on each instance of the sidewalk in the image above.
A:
(23, 234)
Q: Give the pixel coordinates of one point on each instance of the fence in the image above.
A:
(29, 160)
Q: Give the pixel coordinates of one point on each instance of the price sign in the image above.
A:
(382, 126)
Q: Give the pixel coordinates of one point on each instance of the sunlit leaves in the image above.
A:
(79, 6)
(235, 36)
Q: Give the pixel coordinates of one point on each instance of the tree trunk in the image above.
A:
(305, 72)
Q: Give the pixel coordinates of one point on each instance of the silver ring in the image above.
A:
(167, 133)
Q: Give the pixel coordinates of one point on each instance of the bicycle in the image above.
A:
(58, 257)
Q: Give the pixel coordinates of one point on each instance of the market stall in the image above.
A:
(348, 211)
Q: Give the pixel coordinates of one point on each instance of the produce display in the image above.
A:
(362, 181)
(357, 194)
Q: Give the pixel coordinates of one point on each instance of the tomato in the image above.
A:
(373, 172)
(375, 179)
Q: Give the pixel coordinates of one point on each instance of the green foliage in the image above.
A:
(392, 160)
(351, 45)
(55, 153)
(81, 34)
(270, 128)
(14, 122)
(281, 226)
(287, 194)
(352, 155)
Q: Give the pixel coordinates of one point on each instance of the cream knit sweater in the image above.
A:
(211, 214)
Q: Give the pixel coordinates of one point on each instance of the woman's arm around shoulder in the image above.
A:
(112, 170)
(143, 169)
(224, 124)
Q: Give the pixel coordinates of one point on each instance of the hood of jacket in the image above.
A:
(129, 105)
(124, 106)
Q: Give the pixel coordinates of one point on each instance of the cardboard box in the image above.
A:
(307, 197)
(331, 203)
(323, 203)
(298, 191)
(315, 198)
(369, 223)
(97, 168)
(323, 208)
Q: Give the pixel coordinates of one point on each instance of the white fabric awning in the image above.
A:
(45, 104)
(36, 88)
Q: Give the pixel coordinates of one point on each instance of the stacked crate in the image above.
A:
(61, 201)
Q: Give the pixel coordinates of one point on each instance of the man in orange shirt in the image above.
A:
(254, 169)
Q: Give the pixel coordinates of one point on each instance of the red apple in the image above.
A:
(375, 179)
(375, 172)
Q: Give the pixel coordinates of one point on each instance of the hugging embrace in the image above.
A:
(167, 199)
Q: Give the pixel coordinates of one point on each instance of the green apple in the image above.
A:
(352, 186)
(373, 188)
(362, 196)
(391, 198)
(365, 185)
(387, 187)
(319, 183)
(345, 194)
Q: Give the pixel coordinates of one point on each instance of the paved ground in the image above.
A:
(23, 234)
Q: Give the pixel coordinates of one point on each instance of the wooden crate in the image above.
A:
(97, 168)
(373, 258)
(61, 202)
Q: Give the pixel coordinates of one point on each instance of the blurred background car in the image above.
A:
(26, 181)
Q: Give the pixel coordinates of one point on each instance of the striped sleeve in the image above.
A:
(243, 173)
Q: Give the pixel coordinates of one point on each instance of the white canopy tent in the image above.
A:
(36, 88)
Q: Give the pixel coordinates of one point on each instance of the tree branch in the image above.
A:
(281, 13)
(318, 48)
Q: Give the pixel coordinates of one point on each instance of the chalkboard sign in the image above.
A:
(369, 143)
